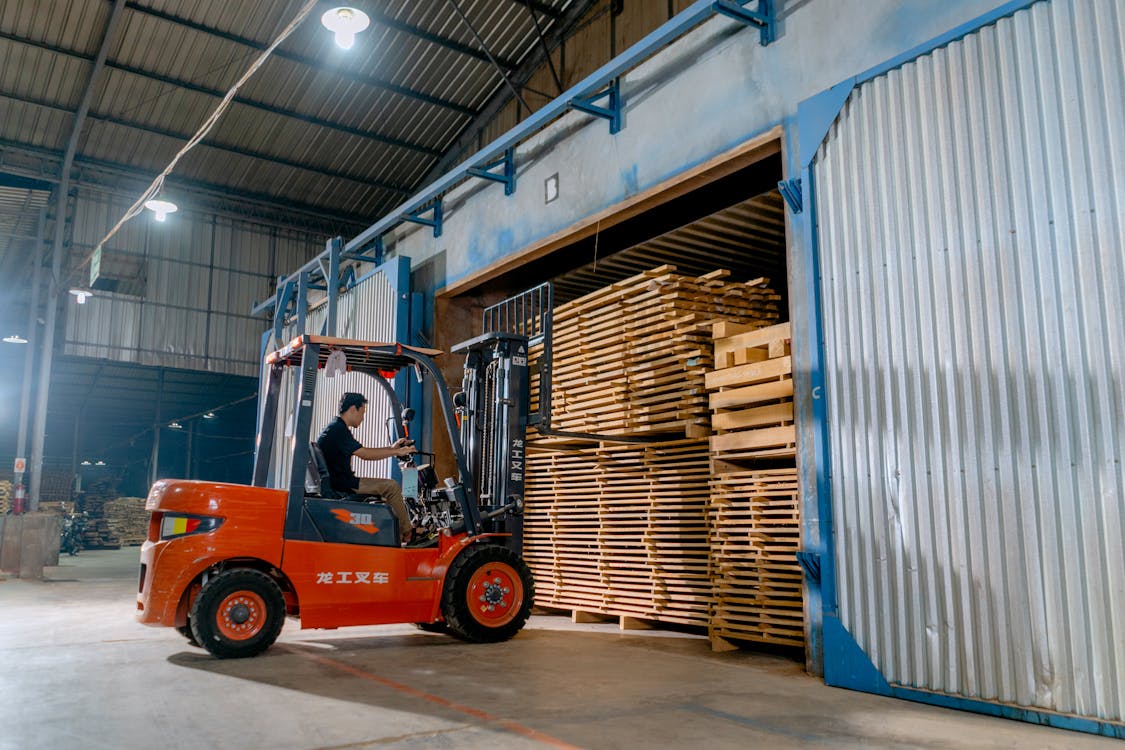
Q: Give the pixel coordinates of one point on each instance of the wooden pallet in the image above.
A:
(752, 393)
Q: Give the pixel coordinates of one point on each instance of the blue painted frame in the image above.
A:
(845, 663)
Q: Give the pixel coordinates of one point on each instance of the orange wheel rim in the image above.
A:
(495, 594)
(241, 615)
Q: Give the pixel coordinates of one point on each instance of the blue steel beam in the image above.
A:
(585, 89)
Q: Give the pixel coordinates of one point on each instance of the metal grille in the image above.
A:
(527, 314)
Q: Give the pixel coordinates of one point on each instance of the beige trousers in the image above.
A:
(391, 493)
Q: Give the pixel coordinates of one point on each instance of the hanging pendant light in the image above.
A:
(345, 23)
(161, 208)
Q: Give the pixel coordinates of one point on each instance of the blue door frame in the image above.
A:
(846, 664)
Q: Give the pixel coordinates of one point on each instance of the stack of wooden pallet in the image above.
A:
(756, 512)
(127, 519)
(621, 530)
(98, 534)
(5, 496)
(631, 358)
(755, 538)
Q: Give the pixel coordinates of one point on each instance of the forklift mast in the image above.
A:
(493, 411)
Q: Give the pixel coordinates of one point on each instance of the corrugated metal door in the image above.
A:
(373, 310)
(970, 209)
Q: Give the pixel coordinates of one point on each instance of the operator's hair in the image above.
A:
(348, 400)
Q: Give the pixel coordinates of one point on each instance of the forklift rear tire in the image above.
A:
(238, 613)
(185, 631)
(488, 594)
(432, 627)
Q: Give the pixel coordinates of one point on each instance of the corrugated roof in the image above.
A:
(353, 132)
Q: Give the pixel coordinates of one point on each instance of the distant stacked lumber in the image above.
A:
(752, 393)
(98, 534)
(127, 519)
(621, 530)
(5, 496)
(756, 535)
(631, 358)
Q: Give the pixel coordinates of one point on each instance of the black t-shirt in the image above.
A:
(338, 445)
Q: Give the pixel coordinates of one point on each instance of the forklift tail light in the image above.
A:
(173, 525)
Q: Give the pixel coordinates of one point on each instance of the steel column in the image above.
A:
(56, 258)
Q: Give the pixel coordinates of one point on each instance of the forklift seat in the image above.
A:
(317, 481)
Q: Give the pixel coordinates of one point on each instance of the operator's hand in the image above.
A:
(403, 447)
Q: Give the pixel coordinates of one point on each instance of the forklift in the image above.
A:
(225, 564)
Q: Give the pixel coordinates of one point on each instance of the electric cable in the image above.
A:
(208, 124)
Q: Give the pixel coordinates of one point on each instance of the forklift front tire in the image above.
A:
(488, 594)
(238, 613)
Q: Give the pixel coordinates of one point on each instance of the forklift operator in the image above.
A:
(338, 446)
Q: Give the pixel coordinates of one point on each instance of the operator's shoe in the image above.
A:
(421, 538)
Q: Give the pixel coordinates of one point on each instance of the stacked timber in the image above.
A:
(127, 519)
(621, 530)
(630, 359)
(98, 534)
(755, 521)
(5, 496)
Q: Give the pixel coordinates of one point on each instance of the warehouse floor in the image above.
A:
(76, 671)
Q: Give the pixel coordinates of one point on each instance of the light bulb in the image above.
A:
(345, 23)
(161, 208)
(82, 295)
(15, 338)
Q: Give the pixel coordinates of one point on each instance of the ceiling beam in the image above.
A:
(560, 30)
(376, 17)
(211, 143)
(544, 8)
(271, 209)
(262, 106)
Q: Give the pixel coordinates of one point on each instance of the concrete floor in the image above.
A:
(77, 672)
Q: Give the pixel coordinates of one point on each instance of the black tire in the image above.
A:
(238, 613)
(488, 594)
(185, 631)
(432, 627)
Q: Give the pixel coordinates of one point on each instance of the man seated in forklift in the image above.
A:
(338, 445)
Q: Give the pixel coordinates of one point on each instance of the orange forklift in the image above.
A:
(225, 564)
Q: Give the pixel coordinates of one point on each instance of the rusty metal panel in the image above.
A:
(971, 206)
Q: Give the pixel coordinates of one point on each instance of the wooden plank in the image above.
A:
(756, 417)
(764, 438)
(749, 374)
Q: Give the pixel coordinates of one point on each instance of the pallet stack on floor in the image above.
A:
(98, 534)
(127, 519)
(756, 511)
(622, 529)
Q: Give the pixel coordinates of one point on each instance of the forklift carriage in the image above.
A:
(225, 563)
